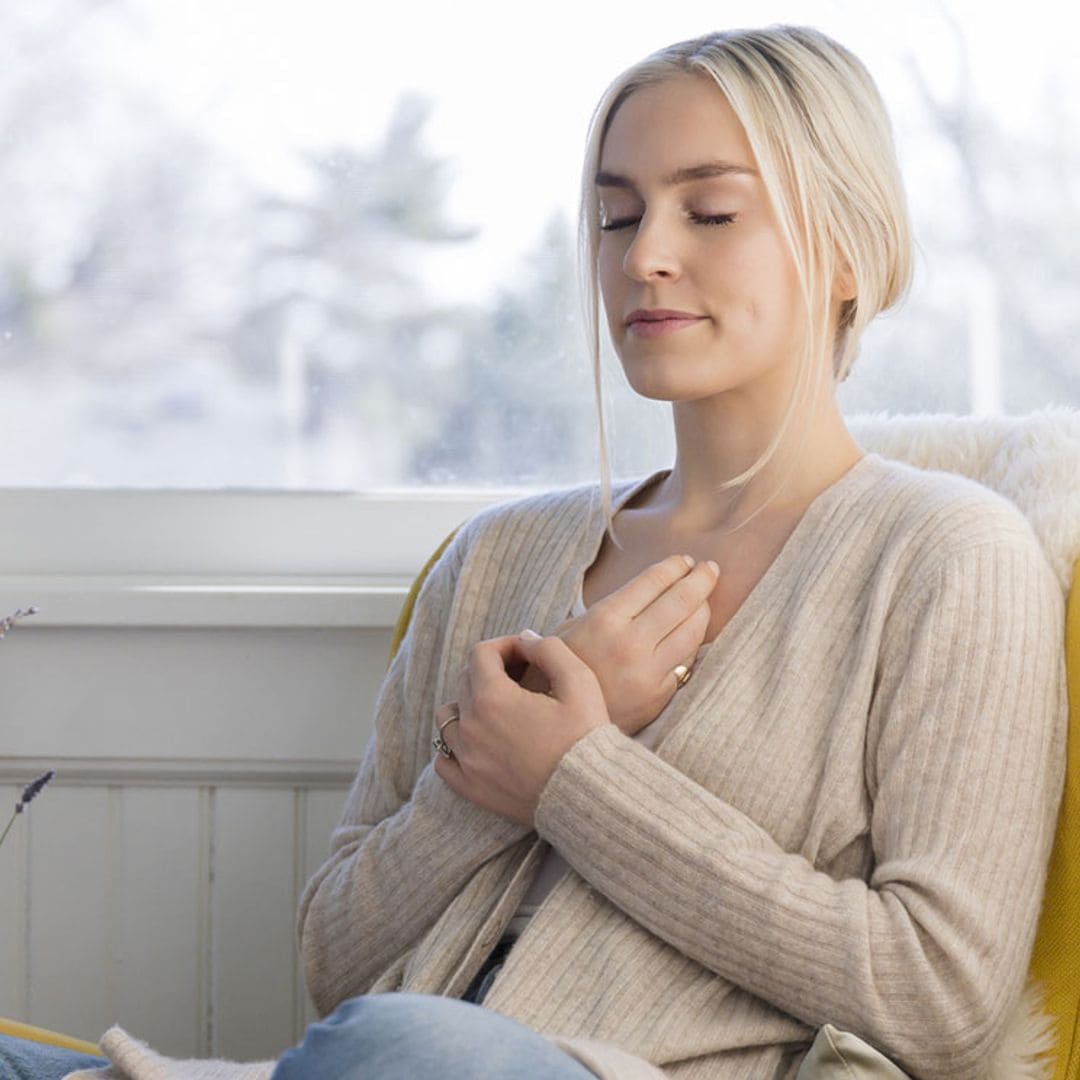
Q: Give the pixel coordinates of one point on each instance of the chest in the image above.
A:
(742, 566)
(761, 690)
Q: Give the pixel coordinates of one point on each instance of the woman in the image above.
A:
(845, 814)
(786, 750)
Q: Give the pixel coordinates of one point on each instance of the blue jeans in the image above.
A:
(378, 1037)
(21, 1060)
(405, 1036)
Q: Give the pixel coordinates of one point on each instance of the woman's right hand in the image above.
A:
(634, 638)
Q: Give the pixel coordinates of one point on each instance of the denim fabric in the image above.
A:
(404, 1036)
(21, 1060)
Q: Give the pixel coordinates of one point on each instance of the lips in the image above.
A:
(656, 321)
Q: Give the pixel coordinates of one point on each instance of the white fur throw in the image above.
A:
(1024, 1052)
(1033, 460)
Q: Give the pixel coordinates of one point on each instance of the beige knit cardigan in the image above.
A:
(847, 821)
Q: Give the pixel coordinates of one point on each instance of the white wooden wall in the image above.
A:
(200, 771)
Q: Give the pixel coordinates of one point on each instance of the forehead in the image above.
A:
(665, 126)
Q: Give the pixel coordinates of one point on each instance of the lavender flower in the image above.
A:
(30, 793)
(33, 789)
(9, 622)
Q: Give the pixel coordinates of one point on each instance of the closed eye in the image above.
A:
(712, 219)
(697, 219)
(611, 226)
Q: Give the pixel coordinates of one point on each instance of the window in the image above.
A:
(307, 247)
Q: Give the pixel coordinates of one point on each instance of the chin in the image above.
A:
(652, 384)
(694, 377)
(673, 381)
(656, 390)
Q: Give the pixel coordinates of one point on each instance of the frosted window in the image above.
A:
(329, 246)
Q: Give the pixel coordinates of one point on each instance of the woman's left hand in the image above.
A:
(509, 740)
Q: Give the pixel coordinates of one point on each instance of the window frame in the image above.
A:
(230, 558)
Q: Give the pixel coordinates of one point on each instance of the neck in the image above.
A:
(717, 440)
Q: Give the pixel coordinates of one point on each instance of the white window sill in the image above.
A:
(221, 558)
(228, 534)
(190, 601)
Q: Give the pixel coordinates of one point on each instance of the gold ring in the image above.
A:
(439, 743)
(682, 675)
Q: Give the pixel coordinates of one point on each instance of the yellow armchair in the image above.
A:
(1055, 963)
(43, 1035)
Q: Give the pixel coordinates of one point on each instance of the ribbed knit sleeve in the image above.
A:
(964, 768)
(406, 843)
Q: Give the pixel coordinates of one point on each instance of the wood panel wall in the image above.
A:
(154, 884)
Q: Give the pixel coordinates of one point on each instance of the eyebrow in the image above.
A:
(685, 175)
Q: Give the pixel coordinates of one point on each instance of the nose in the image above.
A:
(651, 253)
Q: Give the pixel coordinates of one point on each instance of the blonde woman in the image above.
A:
(767, 741)
(801, 751)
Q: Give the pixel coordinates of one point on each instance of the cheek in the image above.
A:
(608, 265)
(762, 284)
(610, 279)
(753, 311)
(773, 312)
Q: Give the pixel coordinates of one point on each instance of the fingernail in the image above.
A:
(529, 635)
(713, 567)
(689, 560)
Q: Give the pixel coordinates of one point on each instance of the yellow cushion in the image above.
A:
(40, 1035)
(402, 624)
(1055, 962)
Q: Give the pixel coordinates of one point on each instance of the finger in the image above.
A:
(491, 676)
(450, 732)
(682, 644)
(674, 606)
(449, 770)
(495, 660)
(639, 592)
(445, 711)
(565, 671)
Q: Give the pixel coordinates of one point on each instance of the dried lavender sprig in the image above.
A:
(33, 789)
(7, 623)
(30, 793)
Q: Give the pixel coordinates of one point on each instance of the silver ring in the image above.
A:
(455, 714)
(682, 675)
(439, 743)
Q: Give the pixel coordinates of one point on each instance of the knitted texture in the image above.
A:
(848, 823)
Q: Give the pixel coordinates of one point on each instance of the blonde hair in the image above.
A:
(823, 143)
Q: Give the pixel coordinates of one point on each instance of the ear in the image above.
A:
(844, 281)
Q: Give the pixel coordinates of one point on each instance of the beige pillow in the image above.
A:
(839, 1055)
